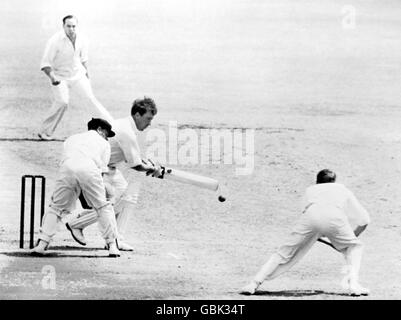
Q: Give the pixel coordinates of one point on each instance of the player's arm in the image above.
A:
(46, 63)
(84, 55)
(85, 64)
(105, 158)
(362, 215)
(53, 78)
(363, 218)
(149, 167)
(133, 157)
(110, 190)
(137, 163)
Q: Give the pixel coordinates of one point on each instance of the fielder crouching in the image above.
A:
(329, 210)
(85, 160)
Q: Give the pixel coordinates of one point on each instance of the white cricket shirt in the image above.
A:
(63, 58)
(88, 145)
(124, 145)
(337, 195)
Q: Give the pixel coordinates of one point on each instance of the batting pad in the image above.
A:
(84, 219)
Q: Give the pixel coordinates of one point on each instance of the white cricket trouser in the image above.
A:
(61, 96)
(317, 221)
(125, 199)
(78, 175)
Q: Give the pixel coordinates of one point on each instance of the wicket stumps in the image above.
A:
(32, 216)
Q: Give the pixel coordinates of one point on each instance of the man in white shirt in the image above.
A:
(125, 149)
(85, 160)
(65, 62)
(329, 210)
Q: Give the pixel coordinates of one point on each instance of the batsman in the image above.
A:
(330, 210)
(125, 149)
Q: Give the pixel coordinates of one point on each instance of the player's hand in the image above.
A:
(55, 81)
(158, 172)
(148, 167)
(155, 170)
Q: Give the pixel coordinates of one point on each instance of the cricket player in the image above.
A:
(125, 149)
(329, 210)
(85, 160)
(65, 62)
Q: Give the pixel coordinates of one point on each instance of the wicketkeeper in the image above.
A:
(329, 210)
(85, 159)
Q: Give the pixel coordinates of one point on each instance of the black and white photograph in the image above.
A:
(200, 150)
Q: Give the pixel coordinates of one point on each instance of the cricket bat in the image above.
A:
(190, 178)
(326, 242)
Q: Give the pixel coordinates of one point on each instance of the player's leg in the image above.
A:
(85, 218)
(77, 224)
(56, 112)
(84, 203)
(343, 239)
(62, 202)
(94, 192)
(88, 216)
(353, 256)
(295, 247)
(84, 89)
(126, 201)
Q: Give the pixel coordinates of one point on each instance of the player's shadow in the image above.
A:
(296, 293)
(57, 254)
(74, 248)
(52, 255)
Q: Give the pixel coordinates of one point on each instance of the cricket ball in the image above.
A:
(222, 199)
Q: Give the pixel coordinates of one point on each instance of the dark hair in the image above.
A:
(70, 16)
(95, 123)
(143, 105)
(326, 176)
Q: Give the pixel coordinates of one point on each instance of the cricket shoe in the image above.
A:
(345, 282)
(357, 290)
(123, 246)
(40, 249)
(77, 234)
(113, 250)
(249, 289)
(45, 137)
